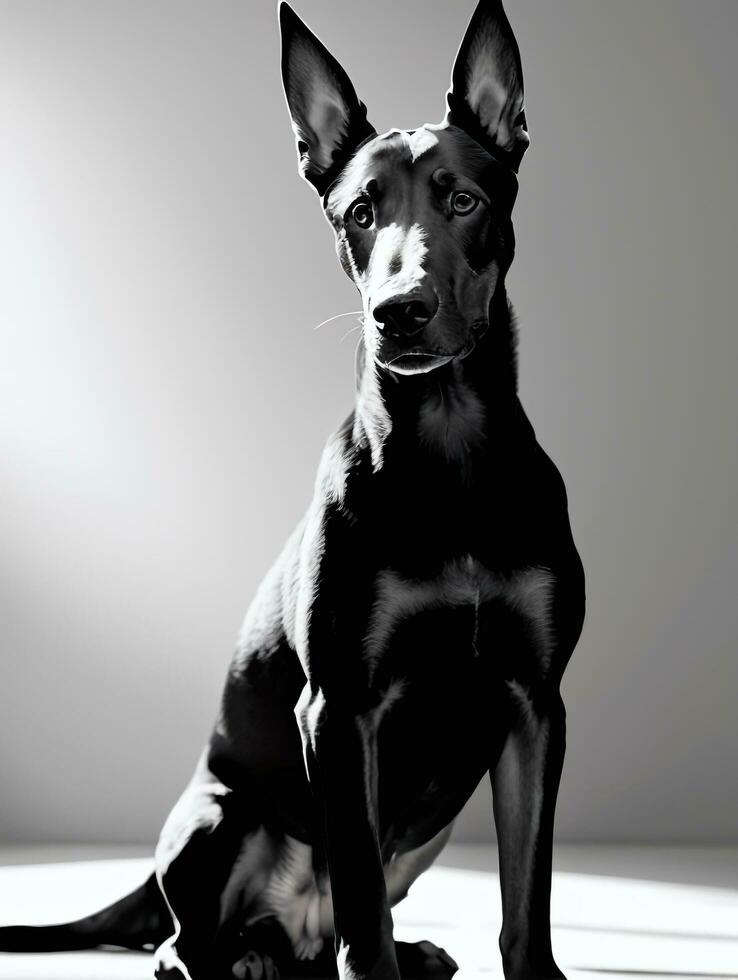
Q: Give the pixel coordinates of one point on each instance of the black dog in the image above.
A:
(413, 634)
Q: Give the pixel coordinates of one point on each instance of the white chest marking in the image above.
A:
(461, 583)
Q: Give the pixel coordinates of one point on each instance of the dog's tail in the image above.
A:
(139, 921)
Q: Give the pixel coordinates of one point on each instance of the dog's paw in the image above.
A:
(424, 961)
(255, 966)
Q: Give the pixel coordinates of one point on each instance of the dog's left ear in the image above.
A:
(486, 94)
(328, 119)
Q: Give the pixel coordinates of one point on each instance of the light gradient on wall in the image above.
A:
(164, 396)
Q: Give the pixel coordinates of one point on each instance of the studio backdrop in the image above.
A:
(164, 394)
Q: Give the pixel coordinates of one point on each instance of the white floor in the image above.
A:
(618, 912)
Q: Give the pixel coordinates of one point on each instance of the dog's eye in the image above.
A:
(462, 202)
(363, 214)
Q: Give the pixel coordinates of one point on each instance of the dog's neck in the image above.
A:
(467, 406)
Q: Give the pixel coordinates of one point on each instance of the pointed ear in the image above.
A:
(327, 117)
(486, 94)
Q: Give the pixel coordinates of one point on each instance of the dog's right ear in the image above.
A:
(327, 117)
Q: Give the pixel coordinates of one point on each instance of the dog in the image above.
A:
(413, 633)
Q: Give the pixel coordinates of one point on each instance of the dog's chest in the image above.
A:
(465, 605)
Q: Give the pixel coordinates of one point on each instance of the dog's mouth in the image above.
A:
(417, 362)
(423, 362)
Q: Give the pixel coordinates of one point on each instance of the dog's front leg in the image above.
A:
(340, 752)
(525, 783)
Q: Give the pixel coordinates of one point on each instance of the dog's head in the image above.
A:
(422, 217)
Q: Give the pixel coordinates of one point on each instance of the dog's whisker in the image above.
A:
(352, 330)
(338, 317)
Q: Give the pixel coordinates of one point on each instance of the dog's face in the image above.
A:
(417, 221)
(422, 217)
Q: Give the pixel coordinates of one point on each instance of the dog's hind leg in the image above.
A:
(198, 847)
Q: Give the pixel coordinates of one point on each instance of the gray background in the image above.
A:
(164, 396)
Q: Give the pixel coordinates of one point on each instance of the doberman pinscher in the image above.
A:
(413, 633)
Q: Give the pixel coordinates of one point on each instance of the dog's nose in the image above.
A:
(404, 317)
